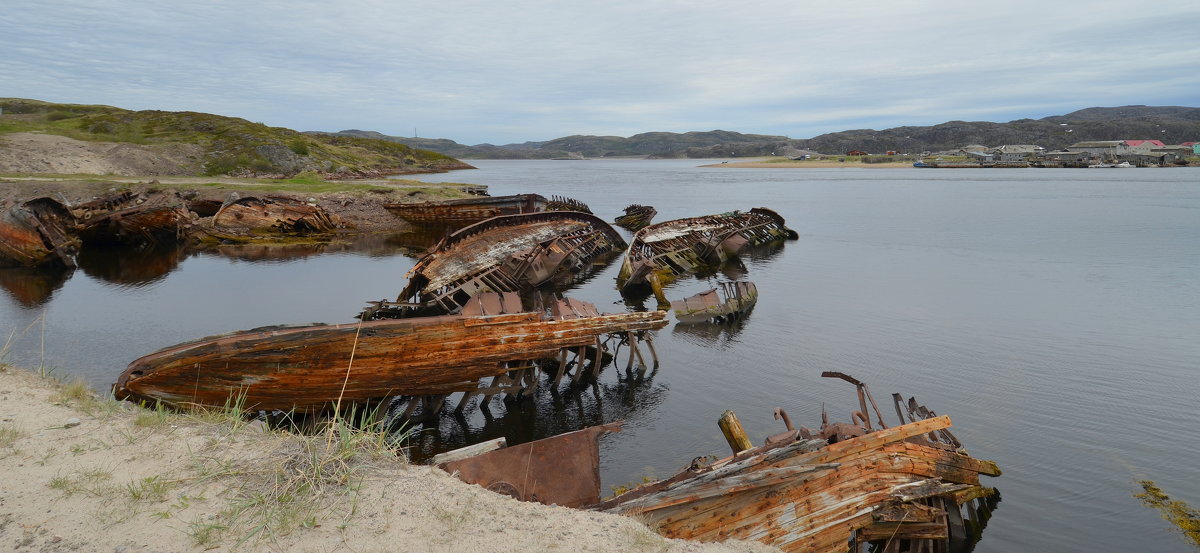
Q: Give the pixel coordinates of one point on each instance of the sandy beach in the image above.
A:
(85, 473)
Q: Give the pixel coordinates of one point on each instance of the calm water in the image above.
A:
(1054, 314)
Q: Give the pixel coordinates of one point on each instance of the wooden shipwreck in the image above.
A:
(468, 211)
(846, 487)
(636, 217)
(665, 251)
(272, 215)
(308, 368)
(37, 232)
(133, 219)
(732, 300)
(510, 253)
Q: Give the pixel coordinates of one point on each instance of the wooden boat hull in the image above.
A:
(808, 495)
(459, 213)
(665, 251)
(306, 368)
(511, 253)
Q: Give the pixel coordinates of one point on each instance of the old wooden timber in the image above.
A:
(854, 483)
(308, 368)
(510, 253)
(664, 251)
(636, 217)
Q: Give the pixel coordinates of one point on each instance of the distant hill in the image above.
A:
(1171, 124)
(653, 144)
(191, 143)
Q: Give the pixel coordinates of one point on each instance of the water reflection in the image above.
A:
(132, 266)
(711, 334)
(33, 287)
(548, 413)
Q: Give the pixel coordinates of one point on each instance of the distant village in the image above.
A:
(1097, 153)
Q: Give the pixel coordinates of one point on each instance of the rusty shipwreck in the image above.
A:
(665, 251)
(494, 345)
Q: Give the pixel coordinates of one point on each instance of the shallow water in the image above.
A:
(1054, 314)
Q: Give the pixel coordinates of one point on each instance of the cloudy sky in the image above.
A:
(501, 72)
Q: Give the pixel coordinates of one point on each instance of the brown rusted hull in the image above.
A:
(559, 470)
(306, 367)
(664, 251)
(36, 232)
(460, 213)
(273, 214)
(808, 495)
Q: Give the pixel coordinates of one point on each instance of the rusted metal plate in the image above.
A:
(560, 470)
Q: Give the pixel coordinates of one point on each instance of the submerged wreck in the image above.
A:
(460, 213)
(665, 251)
(468, 211)
(844, 487)
(133, 218)
(510, 253)
(251, 215)
(732, 300)
(37, 232)
(309, 368)
(636, 217)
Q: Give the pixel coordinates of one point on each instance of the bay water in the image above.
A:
(1054, 314)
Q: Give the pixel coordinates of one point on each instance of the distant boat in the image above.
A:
(1122, 165)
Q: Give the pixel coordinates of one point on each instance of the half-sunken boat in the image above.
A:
(849, 483)
(730, 301)
(36, 232)
(460, 213)
(133, 218)
(665, 251)
(636, 217)
(273, 215)
(309, 368)
(510, 253)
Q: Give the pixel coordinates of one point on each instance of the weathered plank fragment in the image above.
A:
(815, 496)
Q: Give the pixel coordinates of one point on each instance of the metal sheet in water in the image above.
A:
(560, 470)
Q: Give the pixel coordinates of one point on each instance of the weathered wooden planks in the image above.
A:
(306, 368)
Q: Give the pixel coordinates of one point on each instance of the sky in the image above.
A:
(504, 72)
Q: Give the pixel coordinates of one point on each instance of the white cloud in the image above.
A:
(499, 72)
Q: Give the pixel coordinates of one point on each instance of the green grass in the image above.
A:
(231, 145)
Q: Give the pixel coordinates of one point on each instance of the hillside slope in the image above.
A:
(1171, 124)
(119, 141)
